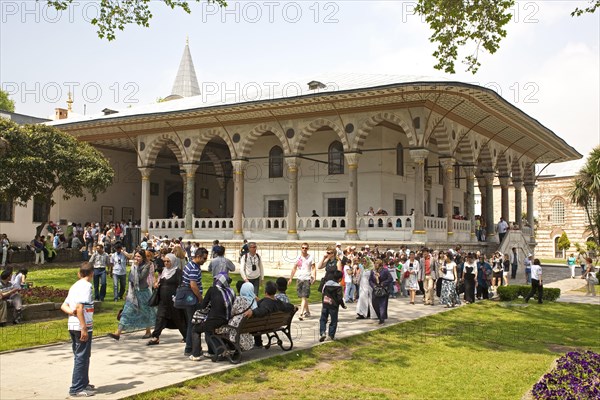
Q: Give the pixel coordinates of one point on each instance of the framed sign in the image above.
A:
(204, 193)
(154, 188)
(127, 213)
(107, 214)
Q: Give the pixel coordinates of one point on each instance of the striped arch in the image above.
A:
(368, 125)
(168, 139)
(205, 136)
(502, 165)
(254, 134)
(517, 171)
(529, 173)
(442, 137)
(219, 170)
(484, 160)
(464, 148)
(307, 132)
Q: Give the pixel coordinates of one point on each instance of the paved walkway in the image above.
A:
(128, 367)
(568, 295)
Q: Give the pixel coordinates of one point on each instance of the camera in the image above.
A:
(253, 267)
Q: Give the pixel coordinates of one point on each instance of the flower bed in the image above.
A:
(43, 294)
(575, 377)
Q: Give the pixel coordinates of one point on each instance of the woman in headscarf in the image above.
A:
(219, 300)
(379, 281)
(167, 316)
(245, 301)
(137, 313)
(364, 307)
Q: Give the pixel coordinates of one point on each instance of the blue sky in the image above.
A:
(548, 65)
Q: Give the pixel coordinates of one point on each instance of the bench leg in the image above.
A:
(287, 332)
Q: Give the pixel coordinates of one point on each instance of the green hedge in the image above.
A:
(513, 292)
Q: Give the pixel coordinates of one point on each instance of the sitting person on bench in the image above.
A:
(220, 297)
(10, 295)
(244, 302)
(266, 306)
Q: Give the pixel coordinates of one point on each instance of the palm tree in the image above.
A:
(586, 191)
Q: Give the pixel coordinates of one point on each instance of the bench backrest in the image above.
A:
(268, 323)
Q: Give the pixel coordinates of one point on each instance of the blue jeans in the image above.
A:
(325, 313)
(82, 352)
(349, 295)
(99, 280)
(119, 283)
(528, 275)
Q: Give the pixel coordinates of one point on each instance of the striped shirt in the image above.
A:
(192, 272)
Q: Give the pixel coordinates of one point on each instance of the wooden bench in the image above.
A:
(271, 325)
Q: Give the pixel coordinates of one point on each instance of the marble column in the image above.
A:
(470, 206)
(145, 206)
(504, 181)
(292, 177)
(190, 200)
(419, 156)
(489, 207)
(448, 168)
(518, 185)
(238, 198)
(351, 223)
(184, 180)
(529, 188)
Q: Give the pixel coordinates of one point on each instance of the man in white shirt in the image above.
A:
(99, 261)
(118, 271)
(79, 306)
(251, 267)
(536, 281)
(502, 228)
(306, 274)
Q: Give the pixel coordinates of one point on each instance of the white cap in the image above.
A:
(366, 246)
(338, 244)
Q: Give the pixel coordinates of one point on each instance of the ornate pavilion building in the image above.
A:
(306, 161)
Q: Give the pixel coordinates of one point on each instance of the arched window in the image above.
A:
(336, 158)
(558, 212)
(276, 162)
(400, 160)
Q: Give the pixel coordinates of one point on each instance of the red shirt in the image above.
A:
(428, 265)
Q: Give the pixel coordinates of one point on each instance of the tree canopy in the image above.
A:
(6, 103)
(41, 159)
(585, 192)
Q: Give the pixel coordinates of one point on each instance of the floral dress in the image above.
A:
(240, 305)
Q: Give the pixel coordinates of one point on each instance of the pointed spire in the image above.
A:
(186, 83)
(70, 103)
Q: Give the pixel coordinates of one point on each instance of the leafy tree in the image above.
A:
(114, 15)
(563, 242)
(43, 159)
(6, 104)
(585, 192)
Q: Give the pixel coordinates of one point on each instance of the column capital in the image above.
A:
(292, 162)
(504, 181)
(529, 188)
(518, 184)
(238, 165)
(447, 163)
(488, 176)
(352, 159)
(469, 172)
(189, 170)
(418, 155)
(146, 172)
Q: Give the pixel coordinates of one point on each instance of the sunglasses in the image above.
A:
(329, 252)
(304, 248)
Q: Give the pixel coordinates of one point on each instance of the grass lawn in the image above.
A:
(553, 261)
(14, 337)
(485, 350)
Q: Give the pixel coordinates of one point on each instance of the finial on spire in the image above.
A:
(187, 40)
(70, 103)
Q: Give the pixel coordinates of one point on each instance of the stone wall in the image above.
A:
(33, 312)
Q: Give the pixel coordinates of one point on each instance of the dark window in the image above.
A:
(336, 207)
(39, 208)
(276, 162)
(336, 158)
(456, 211)
(399, 207)
(276, 208)
(440, 210)
(440, 174)
(457, 177)
(6, 210)
(399, 161)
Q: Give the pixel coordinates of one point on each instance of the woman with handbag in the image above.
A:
(217, 308)
(590, 276)
(244, 302)
(136, 312)
(410, 273)
(449, 276)
(167, 316)
(379, 280)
